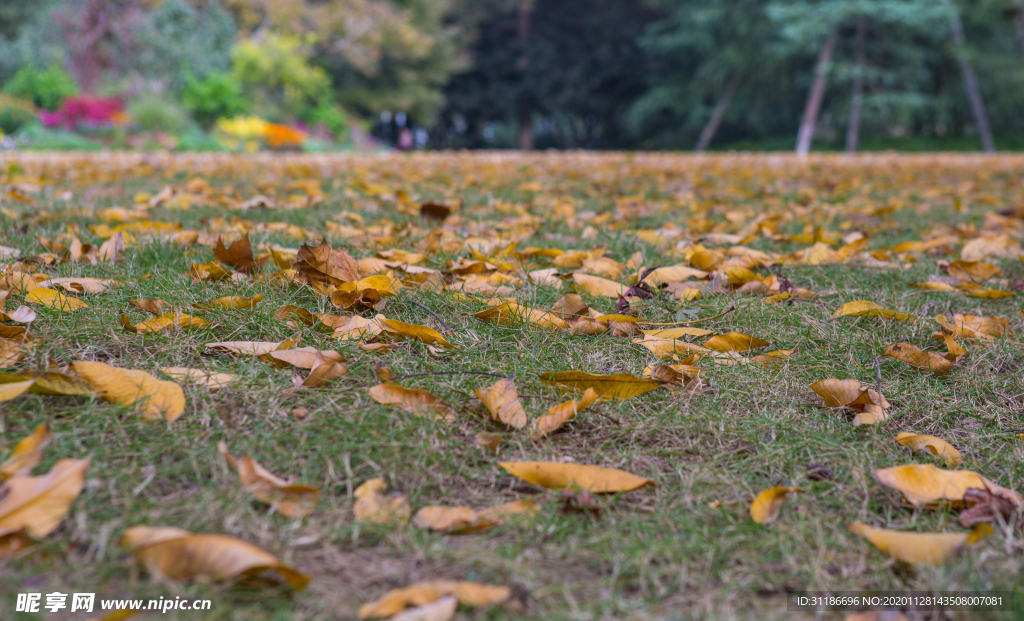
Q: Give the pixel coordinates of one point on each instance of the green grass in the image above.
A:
(660, 553)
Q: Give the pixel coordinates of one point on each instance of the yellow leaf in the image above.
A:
(852, 394)
(766, 506)
(27, 453)
(289, 500)
(619, 386)
(599, 287)
(248, 348)
(22, 314)
(734, 341)
(158, 398)
(863, 308)
(412, 401)
(372, 505)
(212, 272)
(671, 348)
(594, 479)
(173, 321)
(463, 520)
(514, 312)
(910, 354)
(321, 372)
(502, 401)
(168, 552)
(51, 298)
(675, 333)
(563, 413)
(936, 446)
(53, 383)
(13, 390)
(413, 331)
(919, 548)
(39, 504)
(304, 357)
(973, 326)
(471, 594)
(232, 302)
(199, 377)
(924, 484)
(80, 285)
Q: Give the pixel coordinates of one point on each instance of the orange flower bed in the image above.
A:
(282, 136)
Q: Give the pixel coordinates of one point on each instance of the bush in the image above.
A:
(15, 113)
(218, 95)
(158, 114)
(329, 115)
(46, 88)
(276, 74)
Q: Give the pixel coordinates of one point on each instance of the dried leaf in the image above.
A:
(471, 594)
(210, 379)
(372, 505)
(734, 341)
(232, 302)
(766, 506)
(168, 552)
(27, 453)
(22, 314)
(304, 357)
(13, 390)
(919, 548)
(56, 300)
(599, 287)
(594, 479)
(936, 446)
(172, 321)
(863, 308)
(563, 413)
(423, 334)
(417, 402)
(239, 255)
(910, 354)
(618, 386)
(125, 387)
(463, 520)
(289, 500)
(852, 394)
(502, 401)
(37, 505)
(924, 484)
(323, 264)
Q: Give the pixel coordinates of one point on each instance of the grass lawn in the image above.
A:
(684, 549)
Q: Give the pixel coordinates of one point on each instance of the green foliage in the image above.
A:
(35, 136)
(46, 88)
(277, 77)
(218, 95)
(15, 113)
(158, 113)
(330, 115)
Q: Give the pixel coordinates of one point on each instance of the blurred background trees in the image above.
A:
(610, 74)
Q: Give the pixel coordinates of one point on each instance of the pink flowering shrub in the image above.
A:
(89, 112)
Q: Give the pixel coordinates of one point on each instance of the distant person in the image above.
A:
(405, 139)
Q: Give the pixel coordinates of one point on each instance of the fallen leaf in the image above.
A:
(13, 390)
(249, 348)
(599, 287)
(986, 507)
(304, 357)
(463, 520)
(56, 300)
(594, 479)
(471, 594)
(22, 314)
(52, 383)
(210, 272)
(936, 446)
(321, 373)
(863, 308)
(125, 387)
(289, 500)
(172, 321)
(27, 453)
(924, 484)
(734, 341)
(417, 402)
(502, 401)
(919, 548)
(973, 326)
(441, 610)
(323, 264)
(672, 348)
(153, 307)
(210, 379)
(239, 255)
(413, 331)
(910, 354)
(675, 333)
(563, 413)
(80, 285)
(37, 505)
(372, 505)
(852, 394)
(766, 506)
(618, 386)
(232, 302)
(168, 552)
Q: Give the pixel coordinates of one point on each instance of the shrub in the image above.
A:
(89, 112)
(218, 95)
(46, 88)
(330, 115)
(277, 76)
(15, 113)
(158, 114)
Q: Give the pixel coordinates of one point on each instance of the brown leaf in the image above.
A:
(910, 354)
(27, 453)
(463, 520)
(595, 479)
(413, 401)
(158, 398)
(618, 386)
(471, 594)
(372, 505)
(924, 484)
(37, 505)
(289, 500)
(502, 401)
(323, 264)
(986, 507)
(239, 256)
(168, 552)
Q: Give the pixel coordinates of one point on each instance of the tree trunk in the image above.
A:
(525, 140)
(716, 115)
(857, 101)
(814, 98)
(1018, 21)
(970, 80)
